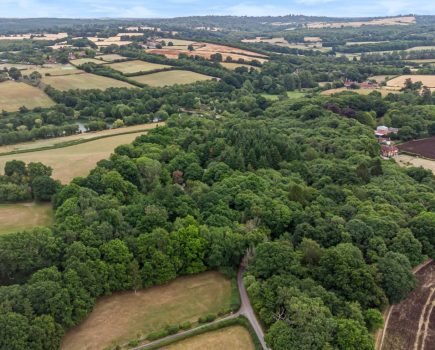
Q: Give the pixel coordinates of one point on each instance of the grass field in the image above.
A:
(406, 160)
(171, 78)
(421, 48)
(290, 94)
(384, 92)
(83, 81)
(381, 78)
(124, 316)
(399, 20)
(80, 61)
(234, 337)
(232, 65)
(110, 57)
(422, 61)
(136, 66)
(53, 69)
(17, 217)
(73, 161)
(13, 95)
(427, 80)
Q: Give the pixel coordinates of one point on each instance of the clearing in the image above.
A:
(137, 66)
(21, 216)
(14, 95)
(291, 95)
(423, 147)
(84, 81)
(410, 324)
(127, 315)
(427, 80)
(232, 66)
(171, 78)
(78, 160)
(406, 160)
(234, 337)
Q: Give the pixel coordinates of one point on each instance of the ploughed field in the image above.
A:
(234, 338)
(14, 95)
(423, 147)
(123, 316)
(411, 324)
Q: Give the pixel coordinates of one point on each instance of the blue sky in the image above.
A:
(173, 8)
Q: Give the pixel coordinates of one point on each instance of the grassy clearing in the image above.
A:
(14, 95)
(124, 316)
(405, 160)
(290, 94)
(427, 80)
(21, 216)
(80, 61)
(234, 337)
(76, 160)
(232, 65)
(171, 78)
(83, 81)
(384, 92)
(137, 66)
(110, 57)
(53, 69)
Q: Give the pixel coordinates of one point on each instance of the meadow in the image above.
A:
(171, 78)
(21, 216)
(136, 66)
(427, 80)
(234, 337)
(14, 95)
(384, 92)
(406, 160)
(53, 69)
(125, 315)
(83, 81)
(80, 61)
(110, 57)
(232, 65)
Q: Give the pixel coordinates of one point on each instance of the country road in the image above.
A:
(245, 310)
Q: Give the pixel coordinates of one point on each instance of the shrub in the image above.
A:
(172, 329)
(157, 335)
(133, 342)
(210, 317)
(185, 325)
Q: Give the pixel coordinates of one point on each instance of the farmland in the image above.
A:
(234, 337)
(80, 61)
(110, 57)
(406, 20)
(171, 78)
(14, 95)
(73, 161)
(83, 81)
(384, 92)
(427, 80)
(423, 147)
(123, 316)
(53, 69)
(232, 66)
(410, 324)
(137, 66)
(21, 216)
(407, 160)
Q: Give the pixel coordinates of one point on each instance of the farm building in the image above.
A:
(388, 151)
(382, 131)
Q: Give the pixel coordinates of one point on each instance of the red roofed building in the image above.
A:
(388, 151)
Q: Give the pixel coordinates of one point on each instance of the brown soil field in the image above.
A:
(13, 95)
(410, 325)
(427, 80)
(234, 338)
(128, 315)
(423, 147)
(406, 160)
(406, 20)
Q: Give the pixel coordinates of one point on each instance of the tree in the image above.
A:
(14, 73)
(406, 244)
(44, 187)
(351, 335)
(14, 331)
(423, 228)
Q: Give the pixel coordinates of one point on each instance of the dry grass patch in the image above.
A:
(79, 61)
(136, 66)
(421, 48)
(234, 337)
(384, 92)
(171, 78)
(427, 80)
(21, 216)
(84, 81)
(406, 160)
(124, 316)
(14, 95)
(110, 57)
(53, 69)
(232, 65)
(389, 21)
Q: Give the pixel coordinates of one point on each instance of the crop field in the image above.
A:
(78, 160)
(232, 65)
(406, 160)
(13, 95)
(234, 337)
(83, 81)
(171, 78)
(110, 57)
(423, 147)
(421, 48)
(384, 92)
(27, 146)
(136, 66)
(410, 324)
(353, 43)
(21, 216)
(405, 20)
(16, 65)
(123, 316)
(80, 61)
(53, 69)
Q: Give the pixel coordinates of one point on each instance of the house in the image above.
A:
(71, 56)
(389, 151)
(368, 85)
(382, 131)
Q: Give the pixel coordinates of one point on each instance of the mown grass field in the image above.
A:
(80, 61)
(83, 81)
(233, 65)
(171, 78)
(53, 69)
(136, 66)
(73, 161)
(124, 316)
(21, 216)
(13, 95)
(234, 337)
(110, 57)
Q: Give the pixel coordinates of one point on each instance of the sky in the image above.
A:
(177, 8)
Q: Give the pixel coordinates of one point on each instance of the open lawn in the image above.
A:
(80, 61)
(78, 160)
(21, 216)
(234, 338)
(83, 81)
(427, 80)
(171, 78)
(13, 95)
(124, 316)
(137, 66)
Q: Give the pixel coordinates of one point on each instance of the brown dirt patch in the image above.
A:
(423, 147)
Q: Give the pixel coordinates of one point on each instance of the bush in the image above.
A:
(210, 317)
(185, 325)
(133, 342)
(157, 335)
(172, 329)
(202, 319)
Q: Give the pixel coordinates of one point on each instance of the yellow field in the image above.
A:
(405, 20)
(13, 95)
(80, 61)
(421, 48)
(136, 66)
(406, 160)
(171, 78)
(124, 316)
(384, 92)
(83, 81)
(73, 161)
(84, 136)
(380, 78)
(53, 69)
(234, 337)
(427, 80)
(232, 65)
(353, 43)
(21, 216)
